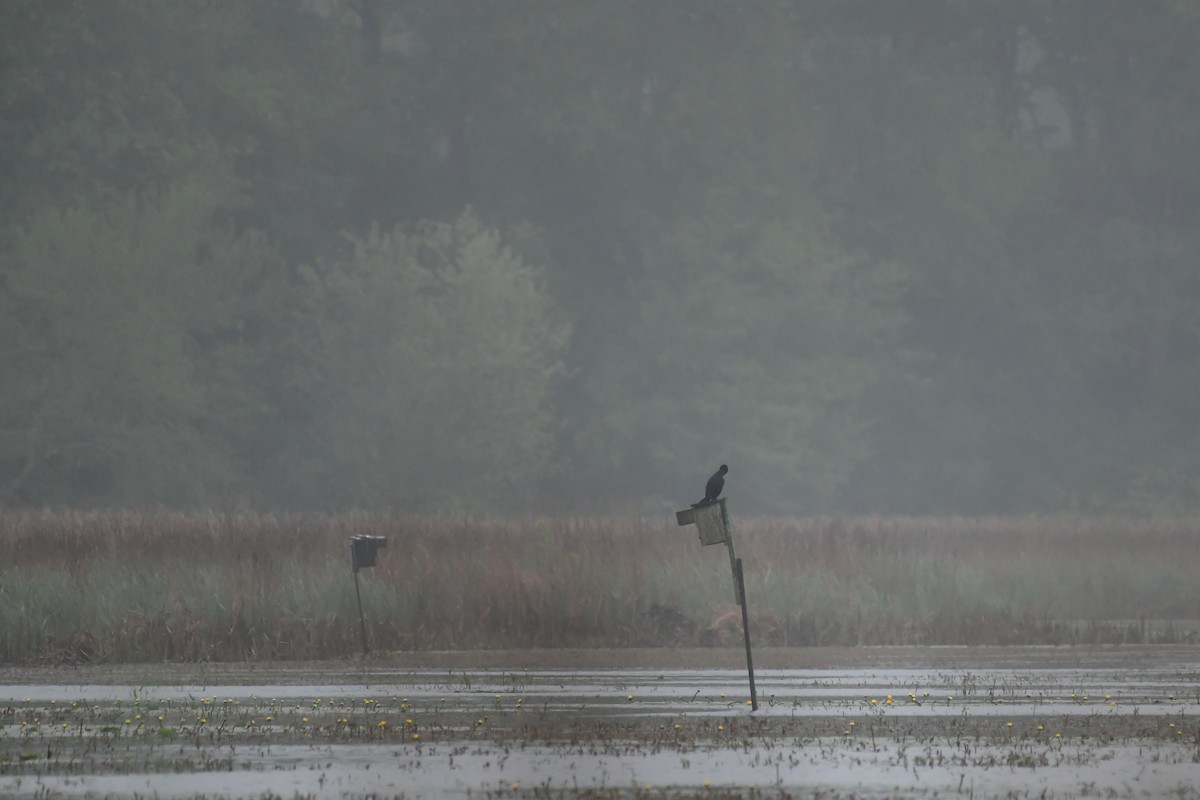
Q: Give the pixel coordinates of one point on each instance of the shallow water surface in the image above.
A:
(871, 722)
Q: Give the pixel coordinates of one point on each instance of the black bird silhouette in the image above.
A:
(712, 489)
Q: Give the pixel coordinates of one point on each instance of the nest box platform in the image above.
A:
(709, 519)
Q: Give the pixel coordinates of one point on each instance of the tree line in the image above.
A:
(930, 257)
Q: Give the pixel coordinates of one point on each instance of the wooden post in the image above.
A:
(716, 527)
(727, 524)
(741, 588)
(363, 551)
(362, 621)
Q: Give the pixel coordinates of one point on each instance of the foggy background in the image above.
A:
(501, 257)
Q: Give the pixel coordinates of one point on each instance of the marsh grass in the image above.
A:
(127, 586)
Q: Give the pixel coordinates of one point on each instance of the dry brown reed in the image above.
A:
(148, 586)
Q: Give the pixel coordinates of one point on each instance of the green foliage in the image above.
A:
(440, 349)
(124, 347)
(930, 258)
(763, 358)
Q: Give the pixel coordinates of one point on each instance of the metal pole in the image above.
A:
(362, 622)
(741, 589)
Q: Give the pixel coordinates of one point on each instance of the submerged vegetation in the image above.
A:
(130, 586)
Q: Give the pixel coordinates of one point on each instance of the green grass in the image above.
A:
(127, 586)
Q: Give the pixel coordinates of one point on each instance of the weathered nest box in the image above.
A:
(363, 549)
(709, 519)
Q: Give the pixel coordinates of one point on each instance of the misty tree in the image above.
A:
(763, 345)
(124, 354)
(953, 244)
(439, 353)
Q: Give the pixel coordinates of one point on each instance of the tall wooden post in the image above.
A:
(741, 587)
(363, 550)
(727, 526)
(715, 526)
(362, 620)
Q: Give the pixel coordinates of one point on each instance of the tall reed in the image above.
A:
(150, 586)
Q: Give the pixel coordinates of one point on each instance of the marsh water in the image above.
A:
(863, 722)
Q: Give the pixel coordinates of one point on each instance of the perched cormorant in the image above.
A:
(712, 489)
